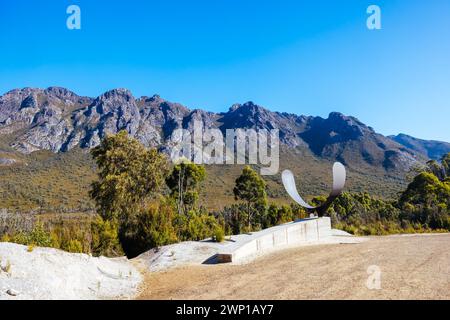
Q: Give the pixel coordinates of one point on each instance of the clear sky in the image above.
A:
(306, 57)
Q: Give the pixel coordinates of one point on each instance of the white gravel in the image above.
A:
(179, 254)
(49, 274)
(203, 252)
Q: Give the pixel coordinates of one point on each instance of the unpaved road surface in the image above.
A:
(411, 267)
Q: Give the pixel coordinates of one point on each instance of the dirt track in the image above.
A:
(412, 267)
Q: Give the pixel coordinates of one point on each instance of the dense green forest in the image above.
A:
(142, 202)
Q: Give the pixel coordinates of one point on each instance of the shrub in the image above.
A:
(105, 238)
(74, 246)
(278, 215)
(152, 227)
(233, 218)
(196, 226)
(350, 229)
(219, 235)
(271, 217)
(36, 237)
(55, 241)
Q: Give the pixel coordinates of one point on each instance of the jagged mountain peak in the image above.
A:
(60, 92)
(57, 119)
(156, 98)
(248, 107)
(250, 115)
(349, 120)
(22, 91)
(117, 95)
(340, 117)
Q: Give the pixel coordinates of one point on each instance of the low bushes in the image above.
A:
(235, 217)
(159, 224)
(105, 238)
(36, 237)
(60, 237)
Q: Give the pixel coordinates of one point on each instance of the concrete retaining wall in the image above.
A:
(290, 234)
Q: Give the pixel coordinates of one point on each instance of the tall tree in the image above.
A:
(251, 189)
(128, 175)
(184, 183)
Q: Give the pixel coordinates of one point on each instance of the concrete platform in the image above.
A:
(290, 234)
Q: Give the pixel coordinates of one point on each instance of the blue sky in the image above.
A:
(305, 57)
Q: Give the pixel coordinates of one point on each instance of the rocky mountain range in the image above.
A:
(58, 120)
(430, 148)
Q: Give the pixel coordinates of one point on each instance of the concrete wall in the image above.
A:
(290, 234)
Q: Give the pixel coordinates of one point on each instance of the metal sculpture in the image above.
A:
(339, 176)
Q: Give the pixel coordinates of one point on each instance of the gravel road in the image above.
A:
(411, 267)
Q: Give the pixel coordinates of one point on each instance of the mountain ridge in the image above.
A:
(433, 149)
(58, 120)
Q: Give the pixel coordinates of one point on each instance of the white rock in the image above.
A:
(50, 274)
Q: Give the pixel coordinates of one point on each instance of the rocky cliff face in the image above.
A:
(40, 119)
(57, 119)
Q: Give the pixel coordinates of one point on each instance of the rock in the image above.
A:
(7, 161)
(12, 292)
(58, 120)
(47, 273)
(43, 115)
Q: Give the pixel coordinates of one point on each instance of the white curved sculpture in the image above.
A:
(339, 177)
